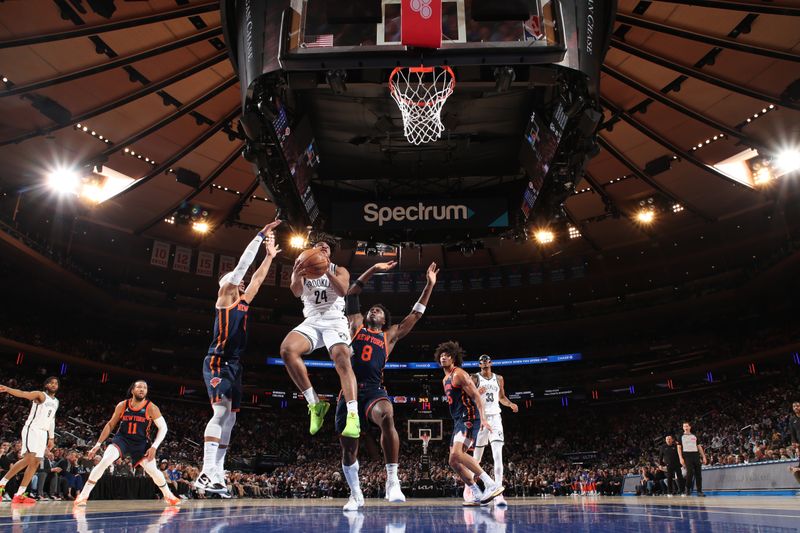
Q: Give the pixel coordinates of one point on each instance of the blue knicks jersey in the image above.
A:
(134, 424)
(230, 331)
(461, 405)
(369, 357)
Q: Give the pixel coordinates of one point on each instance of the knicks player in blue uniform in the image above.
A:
(134, 416)
(374, 338)
(222, 369)
(466, 408)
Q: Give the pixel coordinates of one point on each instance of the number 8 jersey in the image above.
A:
(319, 298)
(369, 358)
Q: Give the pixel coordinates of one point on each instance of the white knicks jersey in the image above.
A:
(490, 394)
(320, 299)
(42, 414)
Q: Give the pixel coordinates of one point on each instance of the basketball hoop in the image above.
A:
(426, 438)
(420, 93)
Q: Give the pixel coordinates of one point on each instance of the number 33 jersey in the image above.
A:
(319, 299)
(490, 394)
(369, 358)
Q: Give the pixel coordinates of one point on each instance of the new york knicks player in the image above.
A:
(374, 338)
(493, 393)
(466, 408)
(134, 417)
(222, 368)
(37, 435)
(324, 325)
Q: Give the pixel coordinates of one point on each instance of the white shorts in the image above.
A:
(34, 441)
(484, 437)
(326, 332)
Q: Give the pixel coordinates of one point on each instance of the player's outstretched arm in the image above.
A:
(33, 396)
(503, 399)
(407, 324)
(154, 413)
(236, 276)
(296, 283)
(362, 280)
(261, 273)
(340, 281)
(108, 428)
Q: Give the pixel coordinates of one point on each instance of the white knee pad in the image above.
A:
(222, 410)
(151, 469)
(111, 454)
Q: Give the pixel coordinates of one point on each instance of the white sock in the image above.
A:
(486, 480)
(476, 490)
(3, 482)
(210, 457)
(311, 396)
(391, 473)
(352, 407)
(497, 456)
(351, 475)
(221, 451)
(21, 490)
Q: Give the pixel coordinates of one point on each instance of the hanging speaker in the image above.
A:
(497, 10)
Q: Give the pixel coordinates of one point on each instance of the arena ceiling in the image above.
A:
(146, 88)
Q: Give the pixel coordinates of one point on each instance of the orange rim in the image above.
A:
(425, 70)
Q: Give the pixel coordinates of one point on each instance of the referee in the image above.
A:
(794, 431)
(689, 452)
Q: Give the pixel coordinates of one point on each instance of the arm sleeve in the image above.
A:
(236, 276)
(161, 424)
(51, 431)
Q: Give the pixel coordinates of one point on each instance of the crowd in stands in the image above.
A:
(736, 424)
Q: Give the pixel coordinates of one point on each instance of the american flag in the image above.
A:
(319, 41)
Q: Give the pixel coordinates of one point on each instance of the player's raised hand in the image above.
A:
(384, 267)
(432, 273)
(272, 225)
(269, 243)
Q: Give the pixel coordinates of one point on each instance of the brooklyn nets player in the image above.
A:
(492, 389)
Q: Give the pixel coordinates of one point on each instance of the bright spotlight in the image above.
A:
(93, 193)
(297, 242)
(64, 181)
(544, 236)
(201, 227)
(788, 160)
(646, 216)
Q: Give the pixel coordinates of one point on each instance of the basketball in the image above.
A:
(314, 262)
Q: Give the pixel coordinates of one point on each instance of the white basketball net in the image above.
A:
(425, 441)
(420, 93)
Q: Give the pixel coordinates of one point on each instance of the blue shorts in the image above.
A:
(367, 398)
(223, 380)
(130, 447)
(465, 431)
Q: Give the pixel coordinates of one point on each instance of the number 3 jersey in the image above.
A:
(369, 358)
(320, 299)
(490, 394)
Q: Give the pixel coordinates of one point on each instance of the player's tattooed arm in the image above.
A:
(108, 428)
(463, 379)
(33, 396)
(404, 328)
(296, 284)
(362, 280)
(503, 398)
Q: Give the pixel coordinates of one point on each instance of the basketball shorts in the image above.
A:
(34, 440)
(464, 431)
(223, 380)
(327, 332)
(496, 435)
(135, 449)
(367, 399)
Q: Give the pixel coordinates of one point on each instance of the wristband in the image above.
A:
(262, 235)
(419, 308)
(352, 305)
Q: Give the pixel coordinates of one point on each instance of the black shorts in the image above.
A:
(223, 380)
(130, 447)
(366, 401)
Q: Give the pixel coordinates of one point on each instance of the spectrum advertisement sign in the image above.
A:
(424, 214)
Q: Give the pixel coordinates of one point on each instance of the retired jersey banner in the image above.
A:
(226, 264)
(205, 264)
(160, 255)
(183, 259)
(421, 23)
(286, 275)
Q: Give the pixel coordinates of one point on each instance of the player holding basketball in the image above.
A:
(374, 338)
(466, 408)
(493, 393)
(222, 369)
(37, 435)
(324, 325)
(134, 416)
